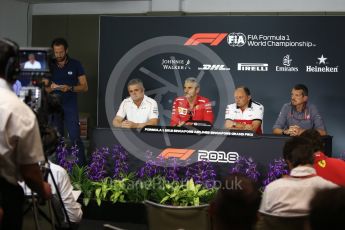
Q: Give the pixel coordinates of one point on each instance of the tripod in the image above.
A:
(58, 216)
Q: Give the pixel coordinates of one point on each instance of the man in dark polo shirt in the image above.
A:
(298, 115)
(67, 80)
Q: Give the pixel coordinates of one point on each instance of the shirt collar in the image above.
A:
(196, 101)
(66, 62)
(142, 102)
(302, 171)
(4, 84)
(249, 104)
(305, 107)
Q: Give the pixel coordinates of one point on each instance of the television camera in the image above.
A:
(34, 67)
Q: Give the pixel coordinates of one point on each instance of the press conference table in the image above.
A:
(220, 147)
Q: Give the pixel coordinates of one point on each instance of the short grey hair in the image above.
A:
(193, 80)
(136, 81)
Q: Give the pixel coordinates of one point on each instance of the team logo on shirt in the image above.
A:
(322, 163)
(182, 110)
(69, 72)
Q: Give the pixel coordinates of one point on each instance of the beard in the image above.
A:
(188, 95)
(61, 59)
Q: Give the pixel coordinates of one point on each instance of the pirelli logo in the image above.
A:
(182, 154)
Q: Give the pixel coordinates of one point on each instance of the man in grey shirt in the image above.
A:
(298, 115)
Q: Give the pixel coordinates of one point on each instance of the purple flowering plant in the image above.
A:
(202, 172)
(67, 157)
(151, 168)
(107, 162)
(166, 181)
(276, 170)
(246, 167)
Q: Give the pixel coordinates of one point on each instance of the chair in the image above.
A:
(268, 222)
(111, 227)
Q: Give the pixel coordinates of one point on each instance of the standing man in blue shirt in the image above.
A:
(298, 115)
(67, 80)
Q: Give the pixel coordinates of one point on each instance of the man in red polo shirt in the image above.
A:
(191, 106)
(329, 168)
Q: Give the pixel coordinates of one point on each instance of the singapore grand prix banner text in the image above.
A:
(269, 54)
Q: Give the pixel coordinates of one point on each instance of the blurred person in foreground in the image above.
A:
(20, 143)
(236, 204)
(327, 209)
(290, 195)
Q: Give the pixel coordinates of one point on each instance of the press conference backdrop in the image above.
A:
(269, 54)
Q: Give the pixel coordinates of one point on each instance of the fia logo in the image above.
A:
(236, 39)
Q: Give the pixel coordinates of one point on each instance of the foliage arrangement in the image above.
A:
(164, 181)
(160, 180)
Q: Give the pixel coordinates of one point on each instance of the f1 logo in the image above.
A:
(182, 154)
(207, 38)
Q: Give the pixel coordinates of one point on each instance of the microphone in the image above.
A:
(191, 114)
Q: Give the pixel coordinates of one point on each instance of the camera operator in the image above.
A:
(20, 143)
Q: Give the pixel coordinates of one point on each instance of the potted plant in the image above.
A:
(181, 202)
(108, 188)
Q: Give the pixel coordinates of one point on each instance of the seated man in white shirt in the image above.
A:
(290, 195)
(32, 63)
(244, 114)
(65, 187)
(63, 183)
(138, 110)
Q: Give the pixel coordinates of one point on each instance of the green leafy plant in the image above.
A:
(144, 189)
(187, 194)
(80, 181)
(110, 190)
(78, 176)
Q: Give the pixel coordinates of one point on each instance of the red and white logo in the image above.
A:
(182, 154)
(206, 38)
